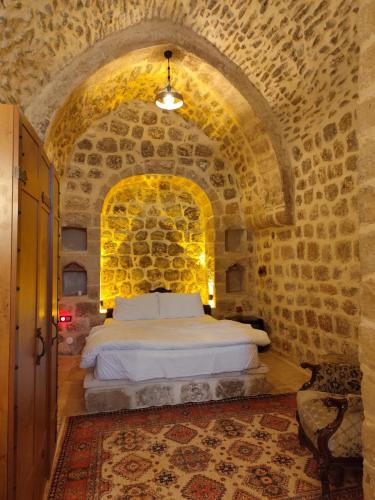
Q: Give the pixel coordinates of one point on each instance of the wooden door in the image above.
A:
(32, 346)
(27, 391)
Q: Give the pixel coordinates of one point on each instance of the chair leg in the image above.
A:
(301, 436)
(338, 476)
(324, 478)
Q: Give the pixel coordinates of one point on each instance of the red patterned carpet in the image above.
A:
(245, 449)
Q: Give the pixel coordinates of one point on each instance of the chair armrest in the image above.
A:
(324, 434)
(314, 371)
(337, 378)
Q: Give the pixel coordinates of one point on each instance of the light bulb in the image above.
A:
(168, 99)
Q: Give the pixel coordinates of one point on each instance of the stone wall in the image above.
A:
(309, 292)
(299, 58)
(366, 118)
(153, 233)
(140, 144)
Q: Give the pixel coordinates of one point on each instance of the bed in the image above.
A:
(162, 349)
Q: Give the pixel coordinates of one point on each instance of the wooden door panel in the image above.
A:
(25, 373)
(29, 162)
(43, 332)
(42, 348)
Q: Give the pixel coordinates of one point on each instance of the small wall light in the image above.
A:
(102, 309)
(211, 300)
(65, 318)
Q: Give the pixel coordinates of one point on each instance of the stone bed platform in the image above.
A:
(113, 395)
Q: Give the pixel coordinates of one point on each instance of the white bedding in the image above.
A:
(147, 364)
(149, 338)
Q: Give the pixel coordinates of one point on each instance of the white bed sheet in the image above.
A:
(168, 334)
(142, 350)
(138, 365)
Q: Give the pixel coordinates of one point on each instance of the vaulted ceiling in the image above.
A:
(254, 75)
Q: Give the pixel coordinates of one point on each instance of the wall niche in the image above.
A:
(235, 240)
(74, 280)
(74, 239)
(235, 278)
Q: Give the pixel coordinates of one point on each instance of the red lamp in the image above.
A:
(65, 318)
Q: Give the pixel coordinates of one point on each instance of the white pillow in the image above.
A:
(139, 307)
(180, 305)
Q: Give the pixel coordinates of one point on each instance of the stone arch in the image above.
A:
(156, 230)
(133, 38)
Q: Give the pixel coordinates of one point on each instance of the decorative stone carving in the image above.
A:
(154, 395)
(195, 392)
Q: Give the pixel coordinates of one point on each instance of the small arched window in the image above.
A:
(74, 280)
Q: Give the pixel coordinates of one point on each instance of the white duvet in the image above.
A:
(181, 333)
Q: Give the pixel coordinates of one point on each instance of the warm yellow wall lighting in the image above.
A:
(202, 259)
(121, 272)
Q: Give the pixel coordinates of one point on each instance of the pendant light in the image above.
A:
(168, 97)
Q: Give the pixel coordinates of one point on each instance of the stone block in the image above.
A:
(175, 249)
(367, 245)
(368, 298)
(114, 162)
(321, 273)
(127, 145)
(137, 132)
(161, 262)
(342, 326)
(195, 392)
(325, 322)
(108, 145)
(154, 395)
(98, 401)
(175, 134)
(159, 248)
(156, 132)
(119, 127)
(149, 118)
(147, 149)
(343, 251)
(84, 144)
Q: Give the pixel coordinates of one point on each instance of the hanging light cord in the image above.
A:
(169, 76)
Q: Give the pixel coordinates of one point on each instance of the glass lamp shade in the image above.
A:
(169, 99)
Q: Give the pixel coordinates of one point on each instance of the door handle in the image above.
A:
(55, 337)
(39, 336)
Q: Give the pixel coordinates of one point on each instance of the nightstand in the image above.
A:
(255, 322)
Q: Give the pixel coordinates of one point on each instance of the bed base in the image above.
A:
(113, 395)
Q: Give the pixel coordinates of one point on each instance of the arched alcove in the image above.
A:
(156, 230)
(74, 280)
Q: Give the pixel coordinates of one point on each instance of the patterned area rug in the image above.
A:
(244, 449)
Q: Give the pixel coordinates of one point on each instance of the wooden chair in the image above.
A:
(330, 416)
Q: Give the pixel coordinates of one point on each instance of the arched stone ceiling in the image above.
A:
(138, 138)
(210, 102)
(291, 53)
